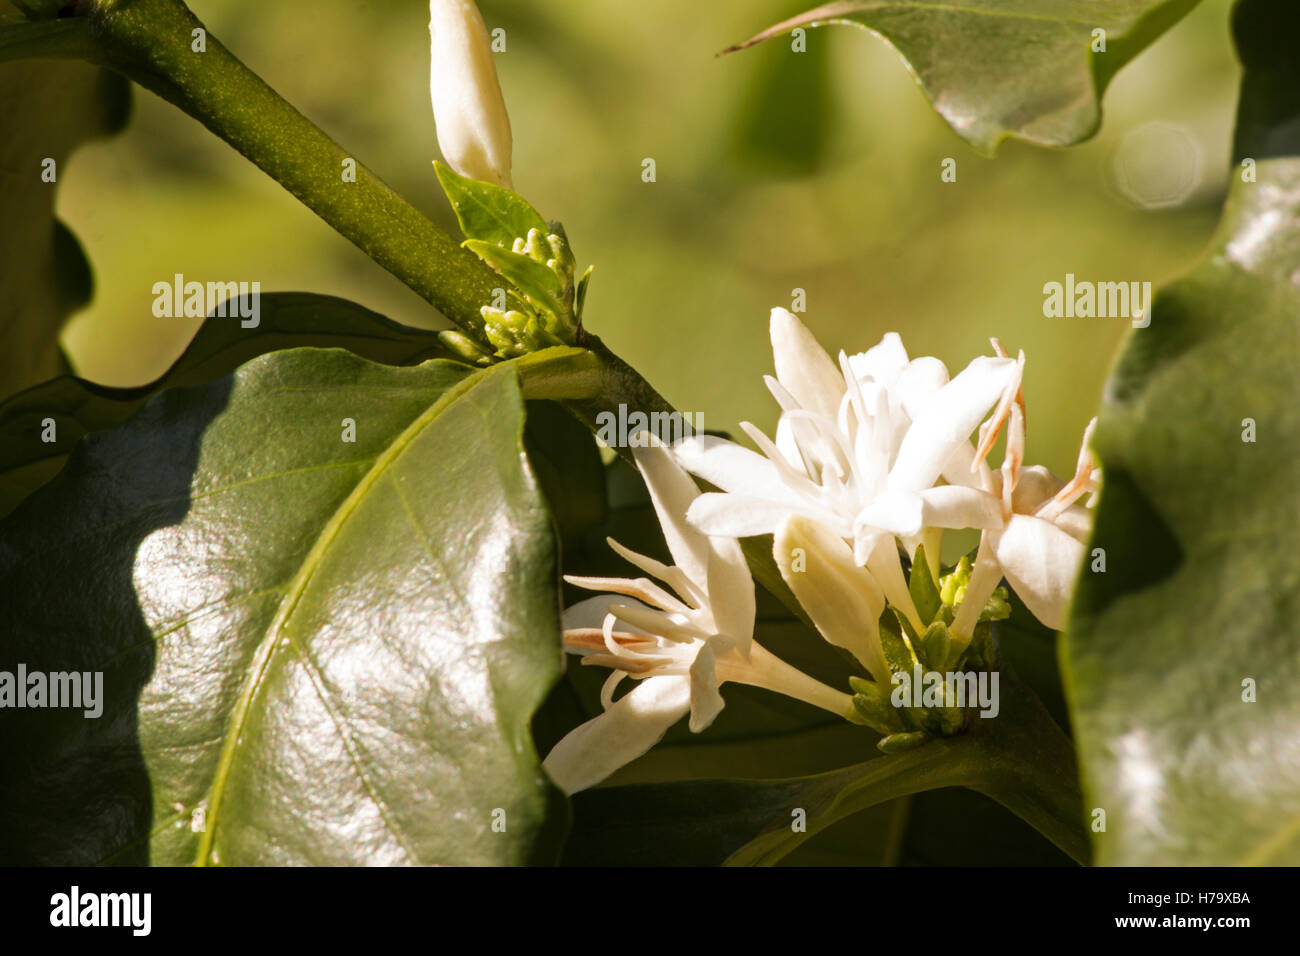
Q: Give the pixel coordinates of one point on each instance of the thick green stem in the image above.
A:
(152, 42)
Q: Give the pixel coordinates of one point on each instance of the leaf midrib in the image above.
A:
(265, 652)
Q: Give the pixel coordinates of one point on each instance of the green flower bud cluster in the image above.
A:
(540, 304)
(910, 653)
(543, 309)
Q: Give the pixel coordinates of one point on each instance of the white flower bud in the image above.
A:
(473, 127)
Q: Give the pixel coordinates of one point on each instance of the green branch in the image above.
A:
(150, 42)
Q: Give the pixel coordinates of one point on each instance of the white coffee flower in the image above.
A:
(680, 646)
(878, 426)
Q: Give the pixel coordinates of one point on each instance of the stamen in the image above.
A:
(633, 667)
(607, 689)
(1080, 484)
(1085, 459)
(584, 639)
(825, 434)
(990, 430)
(1014, 455)
(654, 622)
(673, 576)
(794, 481)
(641, 588)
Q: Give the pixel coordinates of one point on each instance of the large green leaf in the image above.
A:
(1202, 585)
(331, 649)
(49, 108)
(998, 68)
(77, 407)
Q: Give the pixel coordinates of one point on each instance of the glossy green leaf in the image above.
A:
(999, 68)
(956, 827)
(314, 650)
(50, 107)
(486, 211)
(1200, 597)
(1019, 758)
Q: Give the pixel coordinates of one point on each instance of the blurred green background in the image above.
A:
(776, 170)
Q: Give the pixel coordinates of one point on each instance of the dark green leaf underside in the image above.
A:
(999, 68)
(332, 649)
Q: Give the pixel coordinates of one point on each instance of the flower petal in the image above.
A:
(880, 555)
(589, 612)
(803, 366)
(731, 593)
(671, 492)
(905, 513)
(736, 516)
(882, 363)
(918, 383)
(895, 512)
(962, 469)
(1035, 486)
(706, 702)
(729, 466)
(689, 592)
(842, 599)
(947, 420)
(631, 726)
(788, 445)
(1041, 562)
(984, 579)
(1076, 521)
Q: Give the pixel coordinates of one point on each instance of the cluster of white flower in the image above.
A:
(872, 459)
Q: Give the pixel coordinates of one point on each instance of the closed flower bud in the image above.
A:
(473, 127)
